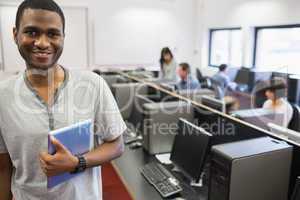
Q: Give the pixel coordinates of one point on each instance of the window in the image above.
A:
(277, 48)
(225, 47)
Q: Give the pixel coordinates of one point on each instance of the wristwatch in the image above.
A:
(81, 165)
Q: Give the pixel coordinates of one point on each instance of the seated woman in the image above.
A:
(167, 65)
(276, 93)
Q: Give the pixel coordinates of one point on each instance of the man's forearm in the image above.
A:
(105, 153)
(5, 185)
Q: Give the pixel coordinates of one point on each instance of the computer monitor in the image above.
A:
(190, 149)
(284, 132)
(262, 76)
(296, 192)
(171, 87)
(242, 76)
(213, 103)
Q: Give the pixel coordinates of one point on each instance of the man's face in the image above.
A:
(40, 38)
(182, 73)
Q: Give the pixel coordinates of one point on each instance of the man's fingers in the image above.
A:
(46, 158)
(57, 144)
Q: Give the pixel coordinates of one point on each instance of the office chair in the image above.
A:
(203, 80)
(294, 123)
(217, 88)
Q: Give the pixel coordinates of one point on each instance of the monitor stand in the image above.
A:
(192, 183)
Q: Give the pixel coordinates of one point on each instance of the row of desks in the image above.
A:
(129, 164)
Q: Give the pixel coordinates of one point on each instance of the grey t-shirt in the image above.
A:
(25, 121)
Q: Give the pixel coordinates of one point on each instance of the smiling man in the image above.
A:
(47, 96)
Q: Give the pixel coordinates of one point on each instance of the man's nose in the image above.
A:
(42, 42)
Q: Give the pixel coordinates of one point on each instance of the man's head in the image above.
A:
(183, 70)
(222, 67)
(39, 33)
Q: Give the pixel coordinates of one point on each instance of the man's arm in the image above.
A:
(5, 177)
(108, 151)
(64, 161)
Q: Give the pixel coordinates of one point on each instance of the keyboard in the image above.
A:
(163, 181)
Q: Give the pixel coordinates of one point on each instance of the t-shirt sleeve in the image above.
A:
(3, 148)
(109, 123)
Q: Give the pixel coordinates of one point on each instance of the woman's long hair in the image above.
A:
(164, 51)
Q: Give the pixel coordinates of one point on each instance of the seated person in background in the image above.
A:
(186, 81)
(167, 65)
(223, 79)
(276, 93)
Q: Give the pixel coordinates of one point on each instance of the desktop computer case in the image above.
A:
(160, 121)
(256, 169)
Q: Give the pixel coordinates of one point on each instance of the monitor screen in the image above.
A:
(190, 148)
(213, 103)
(243, 76)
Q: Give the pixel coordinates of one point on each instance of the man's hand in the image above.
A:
(62, 161)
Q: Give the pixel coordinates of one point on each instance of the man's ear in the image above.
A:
(15, 33)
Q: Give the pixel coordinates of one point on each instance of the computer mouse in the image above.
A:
(135, 145)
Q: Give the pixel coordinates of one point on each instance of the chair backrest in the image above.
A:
(199, 75)
(294, 124)
(218, 89)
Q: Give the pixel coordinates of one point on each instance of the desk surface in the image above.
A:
(128, 168)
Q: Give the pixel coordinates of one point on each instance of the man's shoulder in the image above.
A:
(86, 76)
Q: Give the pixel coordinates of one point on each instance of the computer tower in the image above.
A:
(256, 169)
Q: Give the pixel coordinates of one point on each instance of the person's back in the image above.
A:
(223, 79)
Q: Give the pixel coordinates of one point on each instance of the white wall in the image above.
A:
(126, 32)
(246, 14)
(134, 31)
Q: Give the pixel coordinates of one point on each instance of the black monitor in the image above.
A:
(214, 103)
(190, 149)
(242, 76)
(296, 193)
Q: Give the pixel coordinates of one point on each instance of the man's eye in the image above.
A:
(31, 33)
(52, 34)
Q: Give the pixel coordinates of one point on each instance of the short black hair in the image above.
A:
(185, 67)
(49, 5)
(222, 67)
